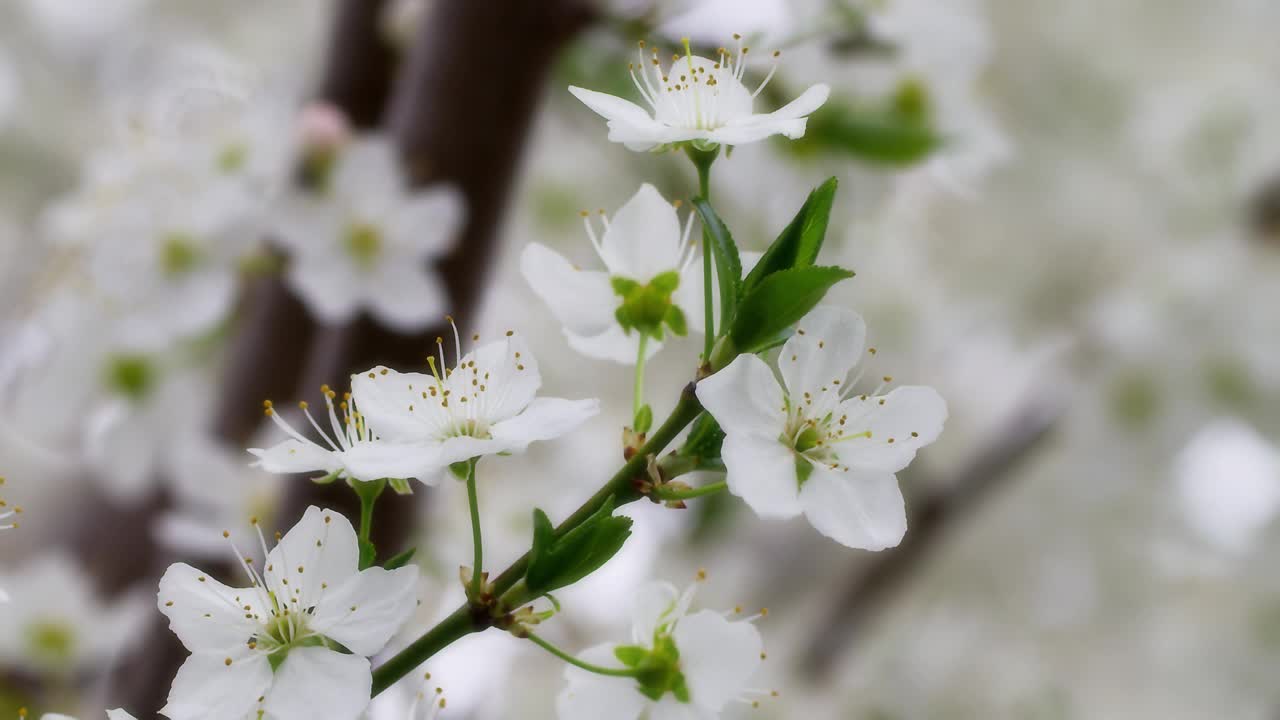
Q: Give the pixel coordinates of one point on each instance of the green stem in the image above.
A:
(669, 494)
(702, 160)
(620, 488)
(612, 672)
(638, 399)
(477, 543)
(368, 492)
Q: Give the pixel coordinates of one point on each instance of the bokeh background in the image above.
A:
(1065, 216)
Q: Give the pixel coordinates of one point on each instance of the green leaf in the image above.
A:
(556, 562)
(705, 438)
(778, 302)
(400, 560)
(725, 252)
(801, 240)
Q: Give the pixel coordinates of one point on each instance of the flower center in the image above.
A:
(233, 157)
(363, 242)
(695, 92)
(132, 376)
(648, 308)
(51, 640)
(179, 254)
(657, 669)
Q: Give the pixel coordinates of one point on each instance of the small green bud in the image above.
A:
(643, 420)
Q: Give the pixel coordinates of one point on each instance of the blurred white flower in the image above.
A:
(693, 665)
(266, 648)
(364, 241)
(487, 404)
(131, 433)
(698, 100)
(212, 489)
(815, 445)
(643, 242)
(1228, 483)
(56, 624)
(80, 26)
(707, 22)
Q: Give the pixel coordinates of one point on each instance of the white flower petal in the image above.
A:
(294, 456)
(827, 344)
(809, 101)
(718, 657)
(327, 286)
(384, 459)
(611, 107)
(669, 708)
(762, 472)
(544, 419)
(745, 398)
(613, 344)
(654, 604)
(643, 237)
(429, 223)
(593, 697)
(857, 509)
(901, 422)
(407, 296)
(207, 688)
(384, 396)
(315, 683)
(206, 615)
(368, 609)
(324, 545)
(582, 300)
(508, 372)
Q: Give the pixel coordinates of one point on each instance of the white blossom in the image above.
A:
(364, 241)
(55, 623)
(703, 661)
(485, 405)
(642, 241)
(699, 100)
(272, 647)
(814, 444)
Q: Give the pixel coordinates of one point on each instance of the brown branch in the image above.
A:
(868, 589)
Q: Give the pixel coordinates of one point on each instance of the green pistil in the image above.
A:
(363, 242)
(179, 254)
(52, 641)
(233, 158)
(132, 376)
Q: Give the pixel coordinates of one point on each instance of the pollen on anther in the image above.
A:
(227, 662)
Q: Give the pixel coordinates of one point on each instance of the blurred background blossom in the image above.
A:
(1065, 216)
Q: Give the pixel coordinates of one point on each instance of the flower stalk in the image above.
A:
(620, 488)
(702, 161)
(596, 669)
(477, 542)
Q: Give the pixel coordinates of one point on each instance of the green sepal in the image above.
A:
(647, 308)
(327, 479)
(630, 655)
(400, 486)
